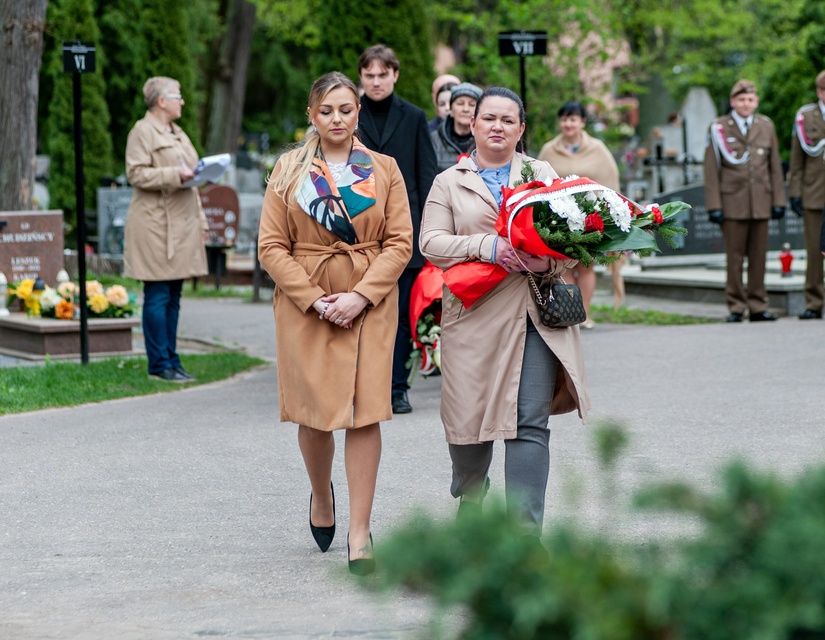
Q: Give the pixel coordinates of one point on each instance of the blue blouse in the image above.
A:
(495, 179)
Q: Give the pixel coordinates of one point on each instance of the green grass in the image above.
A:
(206, 289)
(604, 314)
(65, 384)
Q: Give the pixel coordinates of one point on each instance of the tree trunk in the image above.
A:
(21, 49)
(229, 79)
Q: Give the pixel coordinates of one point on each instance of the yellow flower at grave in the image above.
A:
(64, 310)
(98, 303)
(32, 304)
(67, 290)
(117, 295)
(24, 289)
(93, 288)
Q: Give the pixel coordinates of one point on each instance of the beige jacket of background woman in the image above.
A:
(593, 160)
(330, 377)
(483, 346)
(163, 239)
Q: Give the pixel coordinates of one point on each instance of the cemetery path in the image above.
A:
(185, 514)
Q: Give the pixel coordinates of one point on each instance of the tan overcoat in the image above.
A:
(483, 346)
(330, 377)
(749, 190)
(806, 176)
(162, 239)
(592, 160)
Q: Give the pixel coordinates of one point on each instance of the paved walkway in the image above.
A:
(184, 515)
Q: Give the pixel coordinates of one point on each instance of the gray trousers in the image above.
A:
(527, 457)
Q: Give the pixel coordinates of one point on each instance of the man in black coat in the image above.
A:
(394, 127)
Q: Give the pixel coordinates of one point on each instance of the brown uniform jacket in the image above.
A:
(482, 347)
(806, 176)
(162, 238)
(330, 377)
(746, 191)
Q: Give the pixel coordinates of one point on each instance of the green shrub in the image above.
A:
(755, 570)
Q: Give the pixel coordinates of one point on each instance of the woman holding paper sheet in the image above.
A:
(504, 373)
(165, 225)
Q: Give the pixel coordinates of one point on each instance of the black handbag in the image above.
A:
(560, 304)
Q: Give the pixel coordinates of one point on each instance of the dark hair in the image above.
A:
(380, 52)
(502, 92)
(447, 86)
(572, 108)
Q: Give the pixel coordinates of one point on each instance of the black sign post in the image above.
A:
(522, 44)
(79, 57)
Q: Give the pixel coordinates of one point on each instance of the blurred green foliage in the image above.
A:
(752, 568)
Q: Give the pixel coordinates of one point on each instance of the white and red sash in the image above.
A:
(722, 148)
(808, 146)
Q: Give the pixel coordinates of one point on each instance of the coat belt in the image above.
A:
(325, 252)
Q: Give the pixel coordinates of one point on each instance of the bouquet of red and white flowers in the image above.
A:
(571, 218)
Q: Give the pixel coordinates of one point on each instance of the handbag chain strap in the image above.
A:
(539, 297)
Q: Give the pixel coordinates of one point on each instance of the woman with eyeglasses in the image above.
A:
(165, 226)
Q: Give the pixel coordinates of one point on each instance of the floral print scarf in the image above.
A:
(334, 205)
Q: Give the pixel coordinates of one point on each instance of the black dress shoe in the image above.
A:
(734, 317)
(184, 373)
(169, 375)
(810, 314)
(763, 316)
(360, 566)
(400, 404)
(323, 535)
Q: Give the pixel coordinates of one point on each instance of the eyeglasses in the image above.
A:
(173, 96)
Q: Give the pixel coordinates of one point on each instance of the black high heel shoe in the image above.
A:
(361, 566)
(323, 535)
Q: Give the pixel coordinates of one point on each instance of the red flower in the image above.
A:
(657, 215)
(594, 222)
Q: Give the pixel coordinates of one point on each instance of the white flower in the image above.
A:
(49, 299)
(619, 210)
(567, 208)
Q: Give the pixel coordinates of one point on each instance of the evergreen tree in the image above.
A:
(166, 29)
(401, 25)
(74, 20)
(123, 39)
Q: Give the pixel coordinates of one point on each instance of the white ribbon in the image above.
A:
(813, 150)
(721, 147)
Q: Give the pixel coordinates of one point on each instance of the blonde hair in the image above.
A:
(155, 87)
(297, 164)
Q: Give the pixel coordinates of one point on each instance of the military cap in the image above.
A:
(742, 86)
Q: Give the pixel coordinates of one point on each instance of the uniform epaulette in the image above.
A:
(764, 118)
(808, 107)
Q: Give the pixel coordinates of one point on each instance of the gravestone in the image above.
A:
(112, 207)
(220, 204)
(698, 111)
(31, 245)
(705, 237)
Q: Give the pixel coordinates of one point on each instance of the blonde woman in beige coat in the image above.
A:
(504, 373)
(335, 236)
(165, 225)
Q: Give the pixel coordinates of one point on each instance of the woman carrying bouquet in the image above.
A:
(504, 373)
(574, 152)
(335, 236)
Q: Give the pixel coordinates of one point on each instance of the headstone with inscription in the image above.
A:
(221, 206)
(31, 245)
(112, 207)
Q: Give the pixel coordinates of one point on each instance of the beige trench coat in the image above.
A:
(162, 239)
(482, 347)
(330, 377)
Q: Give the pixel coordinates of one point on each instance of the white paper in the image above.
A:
(208, 169)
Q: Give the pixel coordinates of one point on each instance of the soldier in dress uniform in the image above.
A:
(744, 189)
(806, 189)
